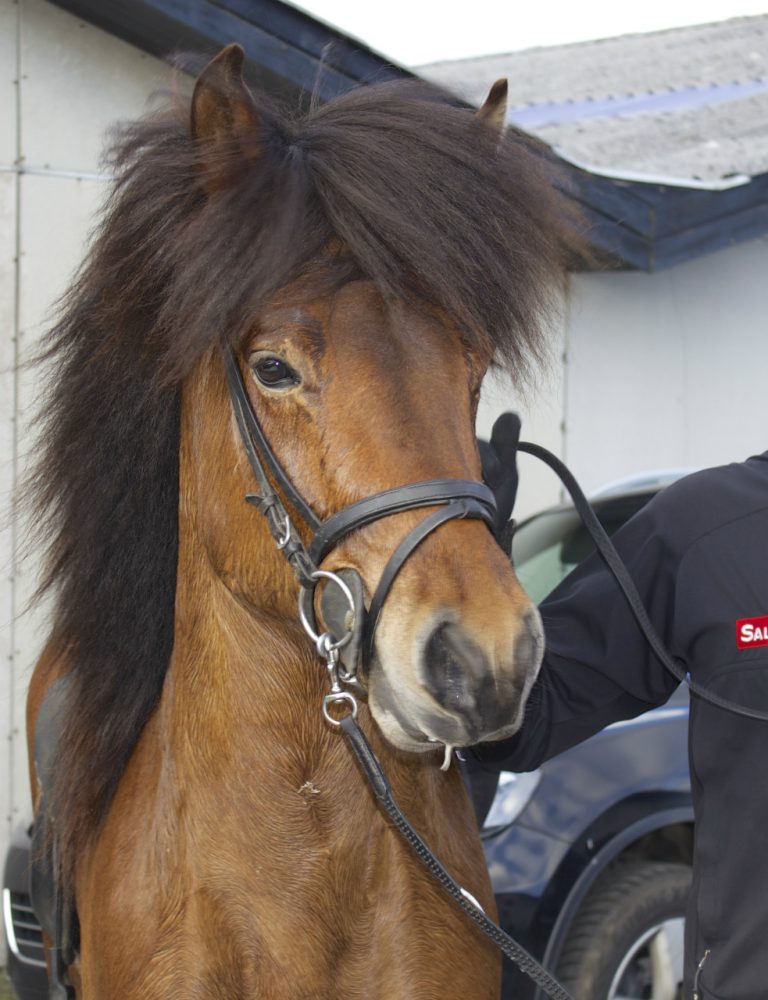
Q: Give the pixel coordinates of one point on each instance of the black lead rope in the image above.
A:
(614, 562)
(377, 779)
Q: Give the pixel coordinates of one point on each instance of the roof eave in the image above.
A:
(286, 50)
(652, 225)
(658, 180)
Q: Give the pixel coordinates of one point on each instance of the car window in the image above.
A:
(548, 546)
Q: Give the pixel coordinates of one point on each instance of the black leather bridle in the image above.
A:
(454, 498)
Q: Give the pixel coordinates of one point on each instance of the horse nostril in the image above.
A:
(454, 668)
(462, 679)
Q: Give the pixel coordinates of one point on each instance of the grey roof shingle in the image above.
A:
(688, 104)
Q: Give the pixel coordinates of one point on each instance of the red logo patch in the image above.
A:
(752, 632)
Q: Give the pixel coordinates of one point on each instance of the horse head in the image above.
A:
(360, 389)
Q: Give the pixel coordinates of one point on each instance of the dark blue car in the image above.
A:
(589, 856)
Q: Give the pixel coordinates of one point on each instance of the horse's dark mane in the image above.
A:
(423, 198)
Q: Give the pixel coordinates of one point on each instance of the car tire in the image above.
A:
(627, 939)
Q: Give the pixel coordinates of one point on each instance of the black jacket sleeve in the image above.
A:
(598, 667)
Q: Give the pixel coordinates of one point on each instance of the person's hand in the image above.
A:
(499, 463)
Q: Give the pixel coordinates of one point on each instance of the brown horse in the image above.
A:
(368, 260)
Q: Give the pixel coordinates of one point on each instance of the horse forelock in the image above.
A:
(390, 183)
(422, 197)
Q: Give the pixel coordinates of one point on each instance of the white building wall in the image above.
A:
(651, 371)
(540, 406)
(62, 84)
(8, 232)
(668, 370)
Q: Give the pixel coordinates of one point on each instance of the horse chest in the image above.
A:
(281, 908)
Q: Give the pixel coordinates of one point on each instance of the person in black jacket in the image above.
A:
(698, 554)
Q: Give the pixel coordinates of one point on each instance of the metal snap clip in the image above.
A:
(334, 698)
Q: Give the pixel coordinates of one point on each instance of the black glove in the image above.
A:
(499, 461)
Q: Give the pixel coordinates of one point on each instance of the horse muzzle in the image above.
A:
(463, 695)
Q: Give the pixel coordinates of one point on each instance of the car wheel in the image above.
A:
(626, 941)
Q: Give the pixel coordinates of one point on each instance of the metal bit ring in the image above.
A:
(306, 610)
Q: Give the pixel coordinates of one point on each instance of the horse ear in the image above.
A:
(494, 109)
(224, 113)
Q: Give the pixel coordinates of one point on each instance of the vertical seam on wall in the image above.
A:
(565, 363)
(12, 735)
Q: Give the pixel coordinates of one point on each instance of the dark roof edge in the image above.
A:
(652, 227)
(285, 49)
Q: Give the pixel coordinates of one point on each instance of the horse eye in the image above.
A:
(274, 373)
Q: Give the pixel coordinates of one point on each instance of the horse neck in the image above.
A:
(244, 697)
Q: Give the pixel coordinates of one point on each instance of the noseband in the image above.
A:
(455, 498)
